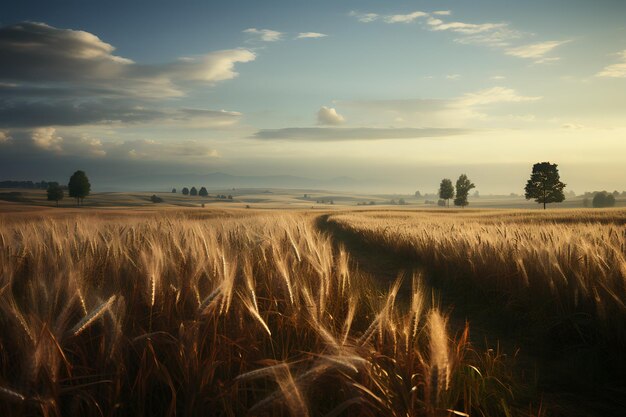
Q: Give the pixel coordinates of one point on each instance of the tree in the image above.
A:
(203, 192)
(446, 191)
(544, 184)
(173, 190)
(185, 191)
(463, 187)
(55, 192)
(79, 186)
(156, 199)
(603, 199)
(418, 194)
(193, 191)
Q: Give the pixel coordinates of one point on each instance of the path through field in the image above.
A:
(486, 331)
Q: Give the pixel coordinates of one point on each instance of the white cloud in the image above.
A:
(442, 13)
(615, 70)
(4, 137)
(266, 35)
(212, 67)
(364, 17)
(465, 28)
(329, 116)
(498, 77)
(404, 18)
(46, 138)
(491, 96)
(535, 51)
(572, 126)
(453, 76)
(310, 35)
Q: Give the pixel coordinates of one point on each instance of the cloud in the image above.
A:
(491, 96)
(468, 110)
(210, 68)
(4, 137)
(572, 126)
(615, 70)
(48, 142)
(265, 35)
(442, 13)
(498, 77)
(465, 28)
(62, 77)
(364, 17)
(404, 18)
(329, 116)
(453, 76)
(23, 113)
(357, 133)
(535, 51)
(310, 35)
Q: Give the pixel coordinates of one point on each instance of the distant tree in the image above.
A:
(446, 191)
(402, 202)
(156, 199)
(79, 186)
(55, 192)
(230, 197)
(418, 194)
(441, 202)
(615, 193)
(603, 199)
(203, 192)
(545, 185)
(476, 194)
(586, 202)
(185, 191)
(173, 190)
(463, 187)
(193, 191)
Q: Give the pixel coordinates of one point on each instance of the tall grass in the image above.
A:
(559, 278)
(226, 316)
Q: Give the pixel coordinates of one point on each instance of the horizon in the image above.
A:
(388, 97)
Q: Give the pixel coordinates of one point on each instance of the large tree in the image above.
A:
(545, 185)
(193, 191)
(203, 192)
(446, 190)
(463, 187)
(79, 186)
(185, 191)
(55, 192)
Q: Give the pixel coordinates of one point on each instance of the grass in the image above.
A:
(239, 313)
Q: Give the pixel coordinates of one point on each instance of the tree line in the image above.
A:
(202, 193)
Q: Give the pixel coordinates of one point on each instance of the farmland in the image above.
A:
(234, 311)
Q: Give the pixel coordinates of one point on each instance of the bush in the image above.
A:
(603, 199)
(156, 199)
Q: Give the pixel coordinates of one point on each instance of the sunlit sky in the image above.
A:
(395, 94)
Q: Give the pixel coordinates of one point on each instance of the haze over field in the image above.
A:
(383, 95)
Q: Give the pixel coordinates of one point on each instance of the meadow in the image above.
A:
(255, 312)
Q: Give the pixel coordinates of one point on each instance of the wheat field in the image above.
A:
(265, 313)
(238, 315)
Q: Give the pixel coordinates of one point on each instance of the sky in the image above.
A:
(393, 94)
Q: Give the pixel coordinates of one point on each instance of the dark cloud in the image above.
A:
(359, 133)
(62, 77)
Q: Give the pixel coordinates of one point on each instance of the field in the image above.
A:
(227, 310)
